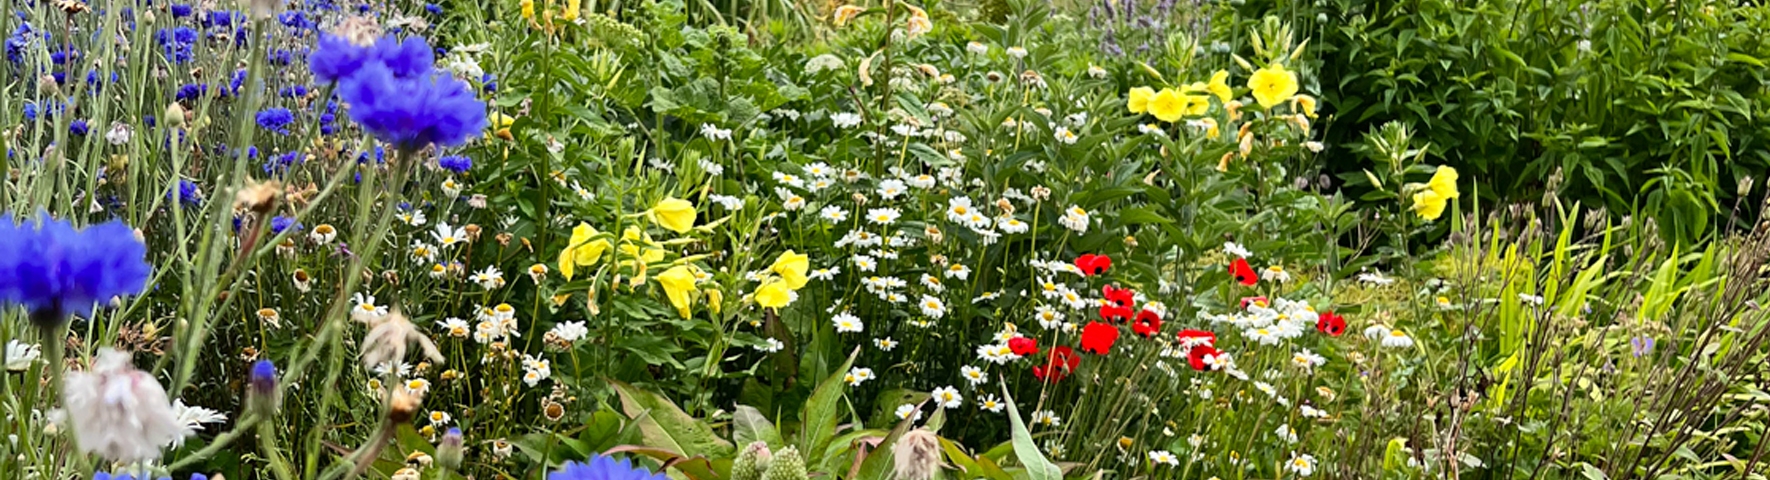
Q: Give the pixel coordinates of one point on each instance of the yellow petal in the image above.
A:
(792, 267)
(1138, 99)
(674, 214)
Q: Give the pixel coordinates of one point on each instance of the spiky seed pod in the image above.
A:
(751, 463)
(786, 465)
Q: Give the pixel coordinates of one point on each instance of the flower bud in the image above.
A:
(450, 451)
(264, 398)
(175, 115)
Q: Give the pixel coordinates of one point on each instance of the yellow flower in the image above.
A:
(792, 268)
(632, 238)
(1197, 105)
(1305, 104)
(528, 9)
(774, 294)
(572, 7)
(1272, 85)
(674, 213)
(1429, 204)
(1138, 99)
(847, 12)
(678, 283)
(1444, 182)
(714, 299)
(500, 120)
(582, 251)
(1168, 106)
(1220, 86)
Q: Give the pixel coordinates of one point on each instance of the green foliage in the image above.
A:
(1637, 106)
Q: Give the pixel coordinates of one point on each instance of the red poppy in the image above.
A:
(1245, 301)
(1091, 264)
(1097, 338)
(1202, 356)
(1242, 272)
(1147, 324)
(1058, 364)
(1123, 297)
(1191, 338)
(1331, 324)
(1115, 313)
(1023, 346)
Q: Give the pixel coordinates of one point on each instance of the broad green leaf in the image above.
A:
(749, 425)
(819, 417)
(1037, 467)
(663, 425)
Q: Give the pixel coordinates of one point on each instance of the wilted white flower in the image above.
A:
(118, 412)
(20, 355)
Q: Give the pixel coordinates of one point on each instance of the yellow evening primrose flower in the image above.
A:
(1168, 105)
(714, 299)
(1444, 182)
(1197, 105)
(1429, 204)
(674, 213)
(1138, 99)
(678, 283)
(572, 8)
(774, 294)
(528, 10)
(632, 239)
(1305, 104)
(500, 120)
(1273, 85)
(582, 251)
(792, 268)
(1219, 86)
(847, 12)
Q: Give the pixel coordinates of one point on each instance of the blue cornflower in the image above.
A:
(191, 91)
(281, 223)
(411, 113)
(297, 21)
(337, 58)
(294, 91)
(602, 468)
(30, 111)
(177, 43)
(181, 10)
(234, 84)
(126, 476)
(54, 270)
(61, 78)
(434, 9)
(490, 81)
(280, 163)
(276, 119)
(16, 43)
(222, 18)
(282, 57)
(187, 192)
(328, 123)
(456, 163)
(78, 127)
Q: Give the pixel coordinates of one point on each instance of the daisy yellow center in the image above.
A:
(1397, 334)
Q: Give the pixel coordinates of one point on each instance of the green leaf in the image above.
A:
(879, 461)
(1141, 215)
(819, 417)
(663, 425)
(749, 425)
(1037, 467)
